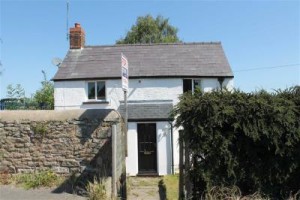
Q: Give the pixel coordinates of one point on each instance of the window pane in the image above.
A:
(187, 85)
(100, 90)
(91, 90)
(197, 84)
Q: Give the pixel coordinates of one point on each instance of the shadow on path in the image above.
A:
(162, 190)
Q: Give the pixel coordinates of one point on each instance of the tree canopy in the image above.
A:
(45, 96)
(42, 99)
(151, 30)
(17, 92)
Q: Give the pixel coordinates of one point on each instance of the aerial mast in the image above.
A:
(67, 21)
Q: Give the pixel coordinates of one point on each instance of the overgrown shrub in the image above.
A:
(251, 140)
(45, 178)
(96, 190)
(40, 129)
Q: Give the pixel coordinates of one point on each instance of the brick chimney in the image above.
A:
(77, 37)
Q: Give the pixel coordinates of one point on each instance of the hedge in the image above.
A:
(249, 140)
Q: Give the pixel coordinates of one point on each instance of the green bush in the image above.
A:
(38, 179)
(251, 140)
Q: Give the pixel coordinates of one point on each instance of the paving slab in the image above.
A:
(144, 188)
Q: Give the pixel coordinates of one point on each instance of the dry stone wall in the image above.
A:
(63, 141)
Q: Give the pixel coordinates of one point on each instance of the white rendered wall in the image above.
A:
(155, 89)
(176, 150)
(132, 150)
(69, 94)
(228, 83)
(72, 94)
(209, 84)
(164, 148)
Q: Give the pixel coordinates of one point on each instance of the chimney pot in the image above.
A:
(77, 37)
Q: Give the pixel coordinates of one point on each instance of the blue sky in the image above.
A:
(261, 39)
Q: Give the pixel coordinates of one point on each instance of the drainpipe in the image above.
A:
(221, 80)
(172, 154)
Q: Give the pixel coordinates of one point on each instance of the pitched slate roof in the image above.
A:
(146, 60)
(154, 111)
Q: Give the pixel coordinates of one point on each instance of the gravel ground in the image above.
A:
(10, 192)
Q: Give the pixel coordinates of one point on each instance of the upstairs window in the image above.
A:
(191, 84)
(96, 90)
(197, 84)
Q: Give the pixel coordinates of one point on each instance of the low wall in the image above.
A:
(64, 141)
(67, 142)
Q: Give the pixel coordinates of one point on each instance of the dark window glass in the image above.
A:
(197, 84)
(91, 90)
(100, 90)
(187, 85)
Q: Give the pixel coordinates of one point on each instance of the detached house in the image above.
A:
(90, 77)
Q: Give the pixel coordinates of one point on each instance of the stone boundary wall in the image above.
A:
(64, 141)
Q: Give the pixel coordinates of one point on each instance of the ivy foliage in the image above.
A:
(249, 140)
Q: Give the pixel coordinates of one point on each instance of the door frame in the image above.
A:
(156, 153)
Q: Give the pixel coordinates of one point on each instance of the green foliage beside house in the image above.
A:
(43, 99)
(249, 140)
(45, 95)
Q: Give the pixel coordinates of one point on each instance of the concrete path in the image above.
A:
(141, 188)
(10, 192)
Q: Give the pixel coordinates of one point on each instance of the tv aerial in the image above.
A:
(57, 62)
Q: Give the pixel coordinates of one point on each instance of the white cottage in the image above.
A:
(90, 78)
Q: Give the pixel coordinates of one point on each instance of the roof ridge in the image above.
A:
(156, 44)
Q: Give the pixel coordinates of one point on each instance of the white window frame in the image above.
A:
(95, 82)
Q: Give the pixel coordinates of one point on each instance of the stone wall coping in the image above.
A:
(59, 115)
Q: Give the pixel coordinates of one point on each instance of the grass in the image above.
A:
(38, 179)
(168, 186)
(96, 190)
(40, 129)
(171, 183)
(140, 181)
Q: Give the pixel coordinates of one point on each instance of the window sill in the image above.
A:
(96, 102)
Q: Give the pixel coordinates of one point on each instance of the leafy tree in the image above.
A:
(16, 98)
(45, 96)
(150, 30)
(10, 91)
(17, 92)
